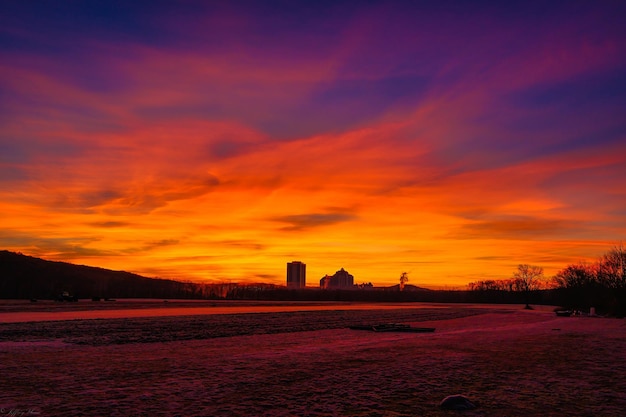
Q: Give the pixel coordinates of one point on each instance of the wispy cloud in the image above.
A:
(514, 228)
(298, 222)
(55, 248)
(109, 224)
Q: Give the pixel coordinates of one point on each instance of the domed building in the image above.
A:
(341, 279)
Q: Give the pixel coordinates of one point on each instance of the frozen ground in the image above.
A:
(19, 311)
(512, 362)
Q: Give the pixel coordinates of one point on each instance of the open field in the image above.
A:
(21, 311)
(512, 362)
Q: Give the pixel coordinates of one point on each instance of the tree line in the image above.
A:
(601, 284)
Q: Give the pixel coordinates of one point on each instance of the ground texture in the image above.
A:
(512, 363)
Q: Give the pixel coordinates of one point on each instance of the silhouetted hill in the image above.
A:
(24, 276)
(407, 288)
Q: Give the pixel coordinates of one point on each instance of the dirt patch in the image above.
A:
(161, 329)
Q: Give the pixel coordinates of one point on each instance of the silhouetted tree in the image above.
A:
(612, 268)
(527, 279)
(612, 275)
(579, 285)
(579, 275)
(404, 278)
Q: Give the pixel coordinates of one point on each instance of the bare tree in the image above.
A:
(612, 268)
(527, 279)
(404, 278)
(580, 275)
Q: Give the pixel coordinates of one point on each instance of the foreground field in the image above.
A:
(513, 363)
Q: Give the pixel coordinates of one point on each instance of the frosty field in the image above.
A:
(297, 363)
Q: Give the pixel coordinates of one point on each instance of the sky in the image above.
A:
(217, 141)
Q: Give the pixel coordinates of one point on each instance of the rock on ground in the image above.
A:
(457, 402)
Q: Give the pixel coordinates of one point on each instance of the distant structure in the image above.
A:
(342, 279)
(296, 274)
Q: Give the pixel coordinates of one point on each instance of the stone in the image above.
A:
(457, 402)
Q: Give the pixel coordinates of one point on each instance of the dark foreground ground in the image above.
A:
(512, 363)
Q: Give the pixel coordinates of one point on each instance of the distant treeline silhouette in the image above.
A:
(601, 285)
(27, 277)
(580, 286)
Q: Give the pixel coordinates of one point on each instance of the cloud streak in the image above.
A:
(299, 222)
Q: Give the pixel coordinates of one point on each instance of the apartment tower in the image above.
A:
(296, 274)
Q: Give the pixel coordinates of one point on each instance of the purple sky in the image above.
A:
(219, 140)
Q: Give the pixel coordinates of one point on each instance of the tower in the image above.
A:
(296, 274)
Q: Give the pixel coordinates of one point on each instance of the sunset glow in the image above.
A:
(217, 141)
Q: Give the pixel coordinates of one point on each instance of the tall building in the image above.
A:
(341, 279)
(296, 274)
